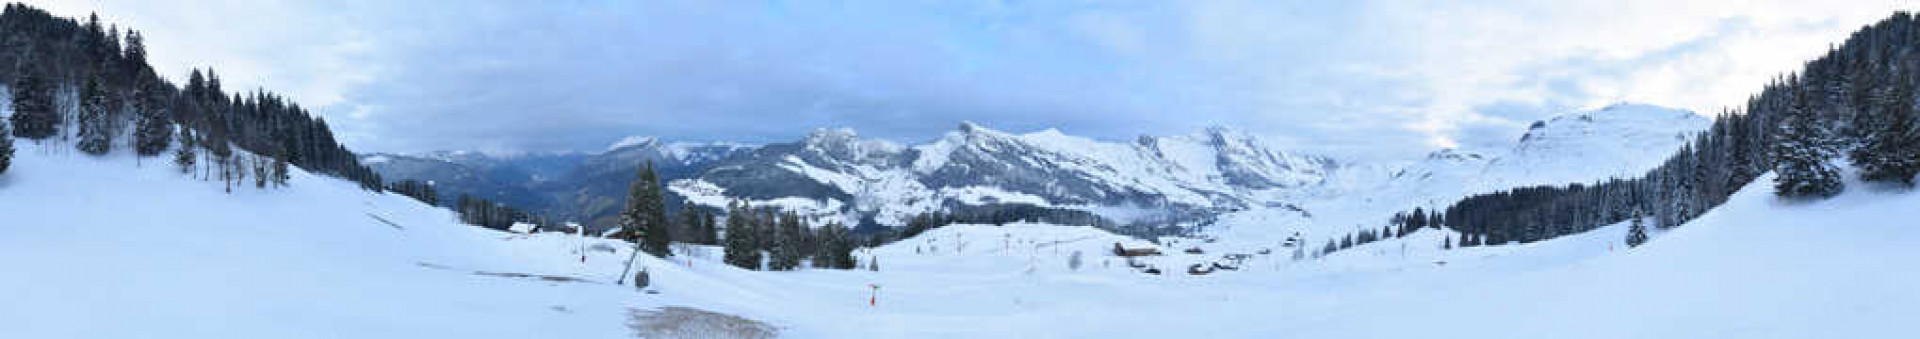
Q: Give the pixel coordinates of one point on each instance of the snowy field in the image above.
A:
(100, 248)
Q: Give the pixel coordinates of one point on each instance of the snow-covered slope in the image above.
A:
(1623, 140)
(100, 248)
(1757, 266)
(103, 249)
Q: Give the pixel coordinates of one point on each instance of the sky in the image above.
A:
(1366, 80)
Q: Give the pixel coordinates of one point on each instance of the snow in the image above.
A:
(1564, 150)
(103, 249)
(932, 156)
(100, 248)
(700, 192)
(689, 152)
(633, 140)
(1623, 141)
(983, 195)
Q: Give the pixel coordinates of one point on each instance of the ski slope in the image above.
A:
(97, 248)
(100, 248)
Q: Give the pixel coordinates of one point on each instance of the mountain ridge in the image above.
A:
(834, 174)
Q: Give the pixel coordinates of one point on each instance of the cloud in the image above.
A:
(1372, 80)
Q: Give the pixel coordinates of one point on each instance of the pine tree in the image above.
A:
(221, 148)
(153, 132)
(1636, 234)
(33, 115)
(709, 229)
(787, 239)
(281, 175)
(690, 229)
(6, 147)
(836, 248)
(1891, 153)
(184, 156)
(136, 51)
(93, 121)
(740, 248)
(765, 226)
(645, 215)
(1801, 153)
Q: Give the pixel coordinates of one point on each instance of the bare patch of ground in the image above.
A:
(683, 322)
(518, 275)
(385, 221)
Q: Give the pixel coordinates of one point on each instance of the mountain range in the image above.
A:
(1186, 180)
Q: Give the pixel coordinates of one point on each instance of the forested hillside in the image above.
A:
(88, 83)
(1857, 103)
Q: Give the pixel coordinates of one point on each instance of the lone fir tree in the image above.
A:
(1636, 234)
(645, 216)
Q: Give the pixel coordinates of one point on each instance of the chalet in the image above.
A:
(1134, 251)
(523, 227)
(1199, 269)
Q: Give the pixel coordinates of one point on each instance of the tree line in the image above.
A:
(783, 239)
(481, 212)
(754, 238)
(422, 191)
(1002, 214)
(89, 84)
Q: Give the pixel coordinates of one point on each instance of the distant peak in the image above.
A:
(1049, 133)
(970, 128)
(1621, 105)
(1226, 135)
(631, 141)
(1453, 154)
(824, 134)
(1615, 114)
(1635, 107)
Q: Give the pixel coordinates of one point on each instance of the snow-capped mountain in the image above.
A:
(837, 175)
(1194, 178)
(1621, 140)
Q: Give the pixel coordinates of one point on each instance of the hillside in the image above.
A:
(1618, 141)
(585, 187)
(160, 255)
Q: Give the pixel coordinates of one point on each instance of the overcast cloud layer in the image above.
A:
(1365, 79)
